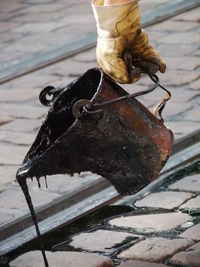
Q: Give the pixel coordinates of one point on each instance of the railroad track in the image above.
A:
(84, 43)
(80, 203)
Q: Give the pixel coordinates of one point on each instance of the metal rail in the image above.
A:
(163, 12)
(78, 204)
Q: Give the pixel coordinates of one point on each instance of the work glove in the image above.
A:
(123, 49)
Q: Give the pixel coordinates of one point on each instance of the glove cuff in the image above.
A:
(115, 20)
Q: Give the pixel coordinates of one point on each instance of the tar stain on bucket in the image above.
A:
(123, 142)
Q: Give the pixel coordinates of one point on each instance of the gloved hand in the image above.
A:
(123, 48)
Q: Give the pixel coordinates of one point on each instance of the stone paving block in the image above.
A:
(22, 111)
(12, 154)
(101, 240)
(17, 95)
(44, 27)
(7, 174)
(62, 81)
(165, 200)
(184, 37)
(80, 20)
(179, 95)
(13, 199)
(178, 77)
(136, 87)
(182, 63)
(191, 204)
(37, 17)
(183, 94)
(190, 257)
(17, 138)
(192, 115)
(22, 125)
(155, 249)
(14, 213)
(135, 263)
(173, 78)
(175, 26)
(83, 30)
(185, 258)
(182, 128)
(192, 233)
(49, 38)
(177, 49)
(87, 56)
(61, 35)
(37, 79)
(79, 7)
(146, 5)
(189, 183)
(42, 8)
(5, 119)
(62, 259)
(12, 8)
(175, 109)
(7, 26)
(4, 218)
(151, 222)
(141, 85)
(197, 53)
(195, 85)
(72, 68)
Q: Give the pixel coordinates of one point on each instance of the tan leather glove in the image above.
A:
(123, 48)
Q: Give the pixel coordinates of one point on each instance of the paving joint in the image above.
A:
(52, 210)
(165, 12)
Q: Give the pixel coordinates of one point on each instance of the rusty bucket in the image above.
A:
(94, 125)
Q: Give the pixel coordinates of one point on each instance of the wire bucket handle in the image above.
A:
(85, 106)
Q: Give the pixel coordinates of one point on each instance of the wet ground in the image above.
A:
(114, 231)
(21, 114)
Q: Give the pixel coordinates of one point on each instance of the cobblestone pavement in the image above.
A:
(21, 114)
(30, 28)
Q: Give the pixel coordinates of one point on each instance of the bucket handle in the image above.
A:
(84, 106)
(157, 110)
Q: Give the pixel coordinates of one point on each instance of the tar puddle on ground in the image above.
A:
(59, 239)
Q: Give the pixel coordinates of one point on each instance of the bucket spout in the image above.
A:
(123, 142)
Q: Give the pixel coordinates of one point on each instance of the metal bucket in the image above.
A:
(94, 125)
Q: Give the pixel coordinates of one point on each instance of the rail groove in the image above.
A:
(163, 12)
(73, 206)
